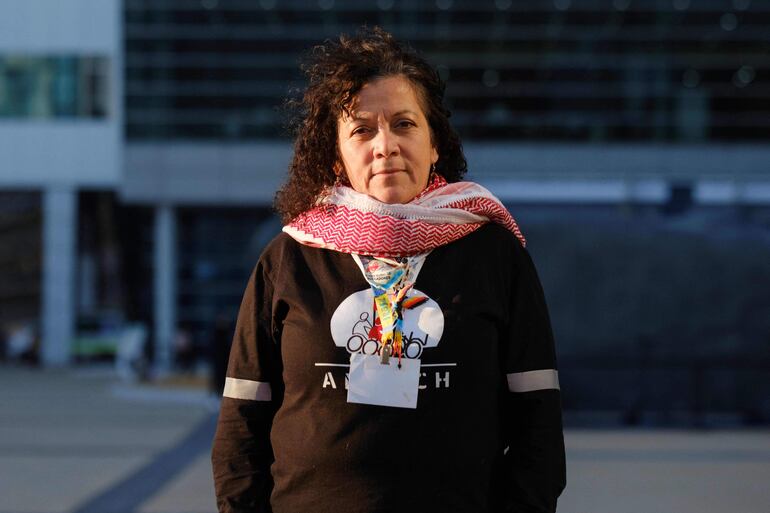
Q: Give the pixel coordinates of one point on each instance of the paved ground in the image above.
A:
(79, 441)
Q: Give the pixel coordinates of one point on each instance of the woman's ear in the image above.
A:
(340, 173)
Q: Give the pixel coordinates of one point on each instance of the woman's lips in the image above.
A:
(388, 171)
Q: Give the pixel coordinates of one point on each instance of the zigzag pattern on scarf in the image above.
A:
(492, 211)
(350, 230)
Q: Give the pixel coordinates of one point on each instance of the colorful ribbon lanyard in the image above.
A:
(390, 279)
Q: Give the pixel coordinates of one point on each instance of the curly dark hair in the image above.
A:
(336, 71)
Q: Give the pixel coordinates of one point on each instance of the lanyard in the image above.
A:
(390, 279)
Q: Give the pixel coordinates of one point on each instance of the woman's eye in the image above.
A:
(360, 130)
(404, 123)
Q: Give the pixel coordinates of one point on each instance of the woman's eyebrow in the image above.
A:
(359, 116)
(365, 116)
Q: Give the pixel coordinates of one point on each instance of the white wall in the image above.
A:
(43, 152)
(210, 173)
(77, 26)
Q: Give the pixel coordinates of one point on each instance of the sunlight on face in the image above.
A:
(385, 143)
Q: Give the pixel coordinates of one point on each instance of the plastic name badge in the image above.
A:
(371, 382)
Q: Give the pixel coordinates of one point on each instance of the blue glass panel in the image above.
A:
(62, 86)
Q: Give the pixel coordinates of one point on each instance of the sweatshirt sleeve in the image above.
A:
(533, 469)
(241, 453)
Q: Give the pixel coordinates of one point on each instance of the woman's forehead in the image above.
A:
(392, 95)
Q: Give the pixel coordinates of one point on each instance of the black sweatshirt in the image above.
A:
(486, 434)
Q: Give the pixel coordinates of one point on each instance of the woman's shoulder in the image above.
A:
(280, 245)
(496, 236)
(281, 249)
(491, 246)
(283, 252)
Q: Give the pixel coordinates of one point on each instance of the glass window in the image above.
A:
(53, 86)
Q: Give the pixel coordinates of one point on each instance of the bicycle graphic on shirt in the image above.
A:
(365, 337)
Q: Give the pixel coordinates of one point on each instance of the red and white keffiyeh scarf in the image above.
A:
(352, 222)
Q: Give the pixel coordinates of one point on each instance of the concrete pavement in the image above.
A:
(80, 441)
(659, 471)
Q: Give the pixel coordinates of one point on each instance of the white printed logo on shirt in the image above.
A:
(355, 325)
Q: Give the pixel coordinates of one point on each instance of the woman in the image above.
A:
(393, 351)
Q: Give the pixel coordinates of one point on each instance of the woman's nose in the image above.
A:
(385, 144)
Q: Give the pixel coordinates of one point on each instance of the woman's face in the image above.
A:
(385, 144)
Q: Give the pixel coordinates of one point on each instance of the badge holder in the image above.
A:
(385, 379)
(372, 382)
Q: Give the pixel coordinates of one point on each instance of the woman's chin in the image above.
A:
(393, 195)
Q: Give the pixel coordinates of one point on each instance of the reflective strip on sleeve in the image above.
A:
(533, 380)
(246, 389)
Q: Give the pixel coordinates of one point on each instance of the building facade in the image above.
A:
(154, 142)
(61, 126)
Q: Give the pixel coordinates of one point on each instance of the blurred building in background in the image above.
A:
(629, 139)
(61, 133)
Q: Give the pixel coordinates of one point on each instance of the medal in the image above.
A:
(385, 352)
